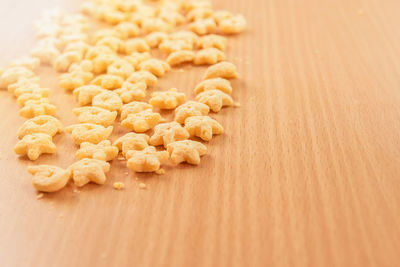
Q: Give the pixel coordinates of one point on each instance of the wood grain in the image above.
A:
(307, 173)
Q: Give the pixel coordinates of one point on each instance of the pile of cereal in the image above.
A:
(108, 71)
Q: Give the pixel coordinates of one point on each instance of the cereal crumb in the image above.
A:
(119, 186)
(142, 186)
(160, 171)
(39, 196)
(237, 105)
(76, 190)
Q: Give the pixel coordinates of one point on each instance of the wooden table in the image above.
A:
(307, 173)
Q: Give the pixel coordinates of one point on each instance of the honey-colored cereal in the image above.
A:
(88, 132)
(108, 81)
(142, 121)
(48, 178)
(167, 99)
(75, 79)
(233, 25)
(13, 74)
(114, 43)
(132, 91)
(45, 53)
(223, 69)
(134, 107)
(41, 124)
(189, 109)
(34, 108)
(146, 160)
(155, 66)
(85, 65)
(154, 39)
(32, 89)
(95, 115)
(143, 76)
(28, 62)
(118, 185)
(121, 67)
(127, 30)
(155, 25)
(132, 141)
(89, 170)
(203, 127)
(215, 99)
(101, 151)
(85, 94)
(172, 17)
(23, 83)
(184, 35)
(208, 56)
(203, 26)
(22, 99)
(213, 41)
(136, 58)
(170, 46)
(165, 133)
(95, 51)
(180, 57)
(221, 15)
(65, 60)
(136, 45)
(186, 151)
(33, 145)
(102, 62)
(107, 100)
(199, 13)
(102, 33)
(214, 84)
(80, 47)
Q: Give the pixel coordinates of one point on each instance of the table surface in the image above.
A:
(307, 173)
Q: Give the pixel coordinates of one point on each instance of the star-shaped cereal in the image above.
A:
(89, 170)
(213, 40)
(136, 45)
(171, 46)
(186, 150)
(114, 43)
(208, 56)
(32, 89)
(155, 66)
(136, 58)
(95, 115)
(184, 35)
(142, 121)
(134, 107)
(35, 108)
(180, 57)
(101, 151)
(13, 74)
(22, 99)
(121, 68)
(146, 160)
(27, 62)
(215, 99)
(66, 59)
(70, 81)
(48, 178)
(214, 84)
(41, 124)
(222, 70)
(100, 65)
(143, 76)
(203, 127)
(203, 26)
(168, 132)
(132, 141)
(23, 82)
(167, 99)
(233, 25)
(154, 39)
(85, 94)
(132, 91)
(88, 132)
(33, 145)
(108, 81)
(190, 108)
(107, 100)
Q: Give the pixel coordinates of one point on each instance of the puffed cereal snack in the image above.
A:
(215, 99)
(167, 99)
(213, 41)
(132, 91)
(155, 66)
(132, 141)
(180, 57)
(95, 115)
(203, 127)
(189, 109)
(101, 151)
(233, 25)
(142, 121)
(108, 81)
(186, 151)
(107, 100)
(165, 133)
(41, 124)
(33, 145)
(146, 160)
(85, 94)
(134, 107)
(214, 84)
(13, 74)
(34, 108)
(222, 70)
(89, 170)
(88, 132)
(203, 26)
(48, 178)
(208, 56)
(143, 76)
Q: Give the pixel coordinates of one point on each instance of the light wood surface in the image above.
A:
(307, 173)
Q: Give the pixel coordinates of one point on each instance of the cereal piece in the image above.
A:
(222, 70)
(33, 145)
(142, 121)
(80, 47)
(102, 33)
(199, 13)
(160, 171)
(89, 170)
(134, 107)
(143, 76)
(72, 37)
(108, 81)
(22, 99)
(83, 66)
(48, 178)
(213, 41)
(101, 151)
(88, 132)
(45, 53)
(96, 51)
(34, 108)
(170, 46)
(233, 25)
(132, 141)
(114, 43)
(146, 160)
(13, 74)
(203, 127)
(33, 89)
(95, 115)
(215, 99)
(27, 62)
(154, 39)
(189, 109)
(186, 151)
(75, 79)
(114, 16)
(214, 84)
(171, 17)
(85, 94)
(179, 57)
(107, 100)
(203, 26)
(119, 186)
(132, 91)
(155, 25)
(167, 99)
(221, 15)
(65, 60)
(136, 58)
(120, 68)
(142, 186)
(102, 62)
(155, 66)
(208, 56)
(41, 124)
(194, 4)
(187, 36)
(23, 83)
(169, 132)
(136, 45)
(127, 29)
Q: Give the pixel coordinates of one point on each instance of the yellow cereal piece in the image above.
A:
(102, 33)
(132, 141)
(189, 109)
(155, 66)
(13, 74)
(119, 186)
(237, 105)
(107, 100)
(89, 170)
(143, 76)
(101, 151)
(180, 57)
(160, 171)
(85, 94)
(187, 36)
(214, 84)
(33, 145)
(95, 115)
(65, 60)
(121, 67)
(108, 81)
(72, 37)
(233, 25)
(27, 62)
(168, 132)
(75, 79)
(23, 83)
(80, 47)
(199, 13)
(82, 66)
(223, 69)
(88, 132)
(95, 51)
(136, 58)
(142, 186)
(186, 151)
(102, 62)
(32, 89)
(146, 160)
(203, 127)
(154, 39)
(127, 29)
(142, 121)
(136, 45)
(113, 17)
(208, 56)
(132, 91)
(215, 99)
(34, 108)
(48, 178)
(203, 26)
(170, 46)
(172, 17)
(22, 99)
(155, 25)
(213, 41)
(221, 15)
(134, 107)
(114, 43)
(45, 53)
(167, 99)
(194, 4)
(41, 124)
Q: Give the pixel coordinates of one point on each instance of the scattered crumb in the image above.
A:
(76, 190)
(121, 158)
(160, 171)
(119, 186)
(39, 196)
(142, 186)
(237, 105)
(181, 70)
